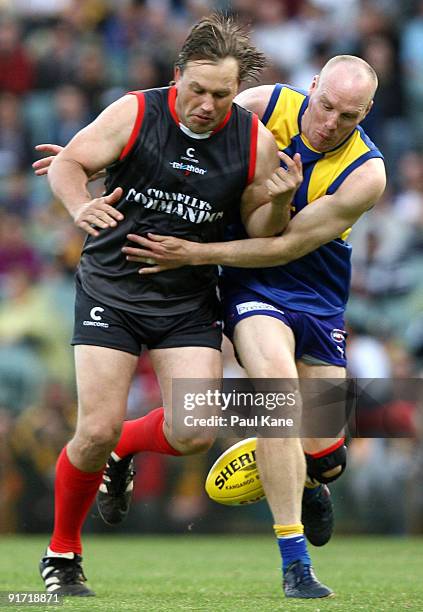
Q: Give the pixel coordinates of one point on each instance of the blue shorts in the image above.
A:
(318, 340)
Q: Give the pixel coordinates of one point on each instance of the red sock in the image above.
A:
(144, 434)
(74, 493)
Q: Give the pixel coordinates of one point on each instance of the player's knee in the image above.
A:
(269, 368)
(327, 466)
(102, 437)
(196, 444)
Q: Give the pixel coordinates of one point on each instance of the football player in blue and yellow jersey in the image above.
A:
(285, 296)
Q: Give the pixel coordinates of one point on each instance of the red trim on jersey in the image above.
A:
(137, 124)
(172, 101)
(224, 122)
(326, 451)
(253, 149)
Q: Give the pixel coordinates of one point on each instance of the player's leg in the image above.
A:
(266, 347)
(188, 362)
(199, 334)
(103, 379)
(317, 445)
(154, 431)
(326, 457)
(184, 346)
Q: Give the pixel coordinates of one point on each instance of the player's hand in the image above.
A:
(41, 166)
(99, 213)
(161, 252)
(284, 182)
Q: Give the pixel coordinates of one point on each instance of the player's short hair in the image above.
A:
(218, 36)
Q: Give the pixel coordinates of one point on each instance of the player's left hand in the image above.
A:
(41, 166)
(161, 252)
(284, 182)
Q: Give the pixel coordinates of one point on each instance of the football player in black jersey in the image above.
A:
(180, 160)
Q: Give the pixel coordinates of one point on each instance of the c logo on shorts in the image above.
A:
(93, 313)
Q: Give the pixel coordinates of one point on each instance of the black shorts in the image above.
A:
(101, 325)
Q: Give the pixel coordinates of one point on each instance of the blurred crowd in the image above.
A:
(61, 63)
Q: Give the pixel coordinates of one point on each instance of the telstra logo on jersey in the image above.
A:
(188, 168)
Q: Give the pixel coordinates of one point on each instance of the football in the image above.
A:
(233, 479)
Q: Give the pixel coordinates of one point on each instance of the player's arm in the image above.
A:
(265, 204)
(92, 149)
(255, 99)
(316, 224)
(42, 165)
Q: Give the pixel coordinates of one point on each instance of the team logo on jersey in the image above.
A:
(338, 335)
(96, 318)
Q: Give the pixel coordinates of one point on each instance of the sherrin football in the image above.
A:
(233, 479)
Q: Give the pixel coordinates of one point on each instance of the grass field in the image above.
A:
(224, 574)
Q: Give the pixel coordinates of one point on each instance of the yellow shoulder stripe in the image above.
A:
(283, 122)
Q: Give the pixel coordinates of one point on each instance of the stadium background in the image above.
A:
(61, 62)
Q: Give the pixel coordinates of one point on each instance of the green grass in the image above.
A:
(224, 574)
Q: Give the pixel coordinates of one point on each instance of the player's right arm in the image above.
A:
(323, 220)
(255, 99)
(266, 202)
(92, 149)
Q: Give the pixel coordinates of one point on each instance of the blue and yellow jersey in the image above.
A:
(318, 283)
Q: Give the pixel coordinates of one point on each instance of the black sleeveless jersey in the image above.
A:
(177, 184)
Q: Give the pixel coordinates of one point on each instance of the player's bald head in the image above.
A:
(340, 97)
(350, 74)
